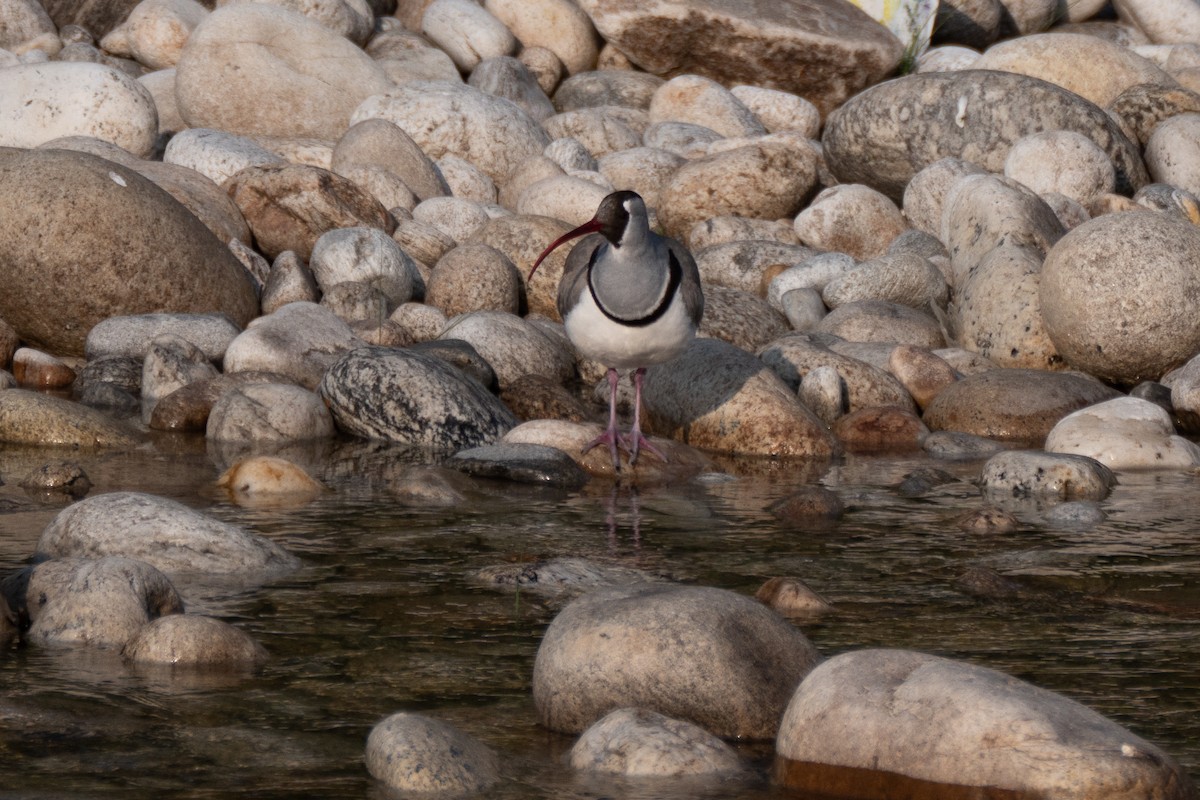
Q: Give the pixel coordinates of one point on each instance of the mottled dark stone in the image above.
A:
(412, 398)
(523, 463)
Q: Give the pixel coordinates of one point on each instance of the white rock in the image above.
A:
(813, 273)
(132, 335)
(365, 255)
(1164, 21)
(1124, 433)
(1032, 473)
(447, 118)
(43, 102)
(513, 346)
(216, 154)
(850, 218)
(466, 32)
(803, 308)
(161, 85)
(570, 154)
(947, 58)
(644, 170)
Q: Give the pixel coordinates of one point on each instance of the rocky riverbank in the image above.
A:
(277, 224)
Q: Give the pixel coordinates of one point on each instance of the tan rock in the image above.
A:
(921, 372)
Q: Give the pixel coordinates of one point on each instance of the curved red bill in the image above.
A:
(591, 226)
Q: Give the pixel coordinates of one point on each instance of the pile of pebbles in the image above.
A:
(286, 222)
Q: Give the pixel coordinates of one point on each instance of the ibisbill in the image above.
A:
(629, 299)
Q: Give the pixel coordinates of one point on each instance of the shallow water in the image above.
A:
(385, 617)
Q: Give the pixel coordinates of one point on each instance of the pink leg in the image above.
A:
(636, 440)
(610, 436)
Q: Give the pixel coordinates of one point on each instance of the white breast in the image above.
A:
(597, 337)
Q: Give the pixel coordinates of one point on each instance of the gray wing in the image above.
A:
(689, 286)
(574, 279)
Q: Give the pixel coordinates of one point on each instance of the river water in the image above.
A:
(387, 615)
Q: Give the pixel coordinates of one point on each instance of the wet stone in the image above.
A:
(429, 487)
(921, 482)
(38, 419)
(556, 577)
(523, 463)
(988, 520)
(1075, 515)
(639, 743)
(958, 446)
(414, 753)
(880, 428)
(64, 479)
(808, 505)
(190, 641)
(792, 597)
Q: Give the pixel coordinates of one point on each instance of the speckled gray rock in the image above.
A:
(416, 754)
(767, 181)
(490, 132)
(882, 321)
(170, 364)
(904, 278)
(719, 397)
(1119, 292)
(557, 25)
(513, 346)
(706, 655)
(794, 356)
(269, 412)
(1075, 515)
(31, 418)
(959, 446)
(466, 32)
(100, 602)
(365, 255)
(983, 212)
(522, 238)
(250, 68)
(1054, 746)
(640, 743)
(1012, 404)
(505, 76)
(164, 259)
(132, 335)
(925, 194)
(412, 398)
(57, 480)
(607, 87)
(289, 281)
(997, 311)
(779, 46)
(161, 532)
(218, 155)
(741, 264)
(1124, 433)
(884, 135)
(300, 341)
(191, 641)
(740, 318)
(602, 130)
(703, 101)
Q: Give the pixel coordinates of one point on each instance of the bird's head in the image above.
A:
(619, 214)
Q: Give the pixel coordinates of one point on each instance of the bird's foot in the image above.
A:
(636, 442)
(614, 441)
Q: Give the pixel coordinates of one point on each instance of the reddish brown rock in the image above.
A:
(880, 428)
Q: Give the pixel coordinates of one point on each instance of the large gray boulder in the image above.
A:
(83, 239)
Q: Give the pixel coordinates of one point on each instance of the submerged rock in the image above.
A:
(1031, 473)
(639, 743)
(161, 532)
(195, 642)
(413, 753)
(43, 420)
